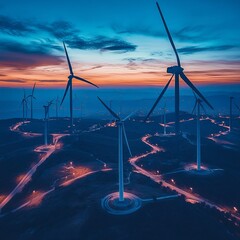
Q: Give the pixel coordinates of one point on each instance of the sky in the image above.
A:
(118, 43)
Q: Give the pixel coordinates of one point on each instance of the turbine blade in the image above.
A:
(237, 106)
(126, 140)
(188, 82)
(130, 115)
(194, 94)
(68, 60)
(33, 88)
(47, 111)
(159, 98)
(86, 81)
(169, 34)
(194, 108)
(50, 103)
(68, 85)
(109, 109)
(203, 108)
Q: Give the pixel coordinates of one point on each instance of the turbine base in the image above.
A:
(112, 205)
(204, 171)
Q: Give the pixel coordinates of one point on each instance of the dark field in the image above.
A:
(63, 198)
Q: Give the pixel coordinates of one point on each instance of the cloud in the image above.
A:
(13, 80)
(197, 49)
(64, 31)
(135, 63)
(92, 68)
(59, 29)
(186, 34)
(51, 81)
(137, 30)
(195, 33)
(15, 27)
(101, 43)
(21, 56)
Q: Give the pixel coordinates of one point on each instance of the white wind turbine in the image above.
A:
(121, 132)
(177, 72)
(32, 97)
(24, 106)
(197, 107)
(69, 85)
(46, 117)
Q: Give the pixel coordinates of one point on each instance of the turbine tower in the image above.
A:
(177, 72)
(121, 132)
(69, 85)
(24, 106)
(46, 113)
(32, 97)
(198, 105)
(57, 106)
(231, 113)
(164, 119)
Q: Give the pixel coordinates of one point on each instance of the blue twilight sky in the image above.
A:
(118, 42)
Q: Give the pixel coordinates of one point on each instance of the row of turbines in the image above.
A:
(176, 72)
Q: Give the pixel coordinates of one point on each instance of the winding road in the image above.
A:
(46, 151)
(190, 197)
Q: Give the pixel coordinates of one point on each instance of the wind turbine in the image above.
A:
(231, 112)
(24, 106)
(177, 72)
(32, 97)
(57, 106)
(121, 132)
(69, 84)
(46, 112)
(230, 115)
(164, 119)
(198, 105)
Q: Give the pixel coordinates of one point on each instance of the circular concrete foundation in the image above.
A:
(112, 205)
(204, 171)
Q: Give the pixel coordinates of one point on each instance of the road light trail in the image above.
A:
(64, 184)
(47, 150)
(158, 179)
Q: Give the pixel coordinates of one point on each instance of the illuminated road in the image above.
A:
(191, 197)
(40, 196)
(46, 152)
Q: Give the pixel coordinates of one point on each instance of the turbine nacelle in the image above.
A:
(119, 122)
(175, 70)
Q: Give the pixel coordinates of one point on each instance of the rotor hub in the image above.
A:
(119, 122)
(175, 70)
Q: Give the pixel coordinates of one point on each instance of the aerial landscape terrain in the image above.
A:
(119, 120)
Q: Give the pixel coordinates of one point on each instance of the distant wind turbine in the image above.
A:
(164, 119)
(121, 132)
(198, 105)
(176, 71)
(46, 117)
(230, 115)
(24, 106)
(69, 84)
(57, 106)
(32, 97)
(231, 112)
